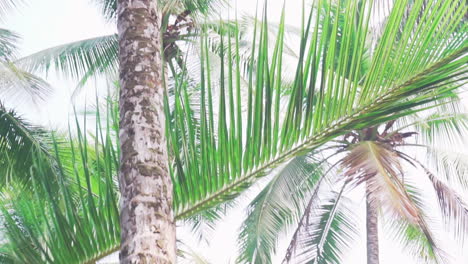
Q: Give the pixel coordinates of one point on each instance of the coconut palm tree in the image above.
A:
(219, 144)
(374, 158)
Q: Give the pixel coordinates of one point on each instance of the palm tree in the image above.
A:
(219, 144)
(373, 157)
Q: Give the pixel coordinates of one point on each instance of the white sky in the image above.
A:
(47, 23)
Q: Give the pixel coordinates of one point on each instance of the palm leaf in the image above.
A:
(413, 240)
(450, 165)
(8, 45)
(380, 169)
(21, 86)
(327, 232)
(108, 9)
(19, 142)
(454, 209)
(79, 60)
(73, 219)
(277, 206)
(322, 104)
(442, 128)
(439, 134)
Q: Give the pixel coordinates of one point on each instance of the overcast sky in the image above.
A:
(47, 23)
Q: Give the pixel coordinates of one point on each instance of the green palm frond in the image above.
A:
(73, 219)
(19, 142)
(277, 206)
(322, 105)
(79, 60)
(326, 233)
(8, 45)
(6, 259)
(291, 42)
(217, 29)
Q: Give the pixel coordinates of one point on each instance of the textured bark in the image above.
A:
(372, 233)
(147, 222)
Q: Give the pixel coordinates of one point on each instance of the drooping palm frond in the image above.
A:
(80, 60)
(322, 105)
(452, 166)
(19, 142)
(19, 85)
(8, 45)
(413, 241)
(73, 219)
(378, 167)
(278, 205)
(326, 233)
(453, 207)
(454, 210)
(440, 135)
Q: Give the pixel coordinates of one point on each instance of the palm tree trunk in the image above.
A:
(372, 233)
(146, 220)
